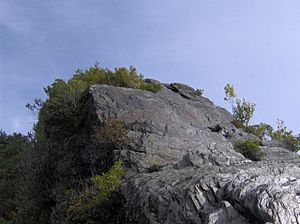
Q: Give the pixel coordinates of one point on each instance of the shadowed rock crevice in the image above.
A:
(216, 128)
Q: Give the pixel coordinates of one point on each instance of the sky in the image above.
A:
(252, 44)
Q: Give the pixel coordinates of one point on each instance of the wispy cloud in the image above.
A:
(16, 123)
(22, 124)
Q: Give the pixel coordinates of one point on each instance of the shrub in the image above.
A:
(286, 136)
(121, 77)
(242, 110)
(238, 124)
(88, 209)
(111, 135)
(152, 87)
(113, 132)
(262, 130)
(250, 149)
(155, 166)
(266, 132)
(200, 91)
(99, 202)
(95, 212)
(108, 182)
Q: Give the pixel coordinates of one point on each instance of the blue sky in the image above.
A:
(253, 44)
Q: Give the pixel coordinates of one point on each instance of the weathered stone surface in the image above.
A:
(202, 179)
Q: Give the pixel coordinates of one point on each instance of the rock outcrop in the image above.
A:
(198, 175)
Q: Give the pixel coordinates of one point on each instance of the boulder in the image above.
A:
(182, 166)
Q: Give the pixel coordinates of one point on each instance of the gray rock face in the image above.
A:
(201, 178)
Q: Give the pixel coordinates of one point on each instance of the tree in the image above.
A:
(12, 147)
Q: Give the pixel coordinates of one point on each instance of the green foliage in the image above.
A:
(3, 221)
(266, 132)
(238, 124)
(61, 112)
(250, 149)
(121, 77)
(12, 148)
(67, 151)
(286, 136)
(155, 166)
(200, 91)
(72, 160)
(111, 135)
(242, 110)
(87, 209)
(100, 203)
(109, 181)
(67, 147)
(152, 87)
(230, 93)
(36, 105)
(262, 130)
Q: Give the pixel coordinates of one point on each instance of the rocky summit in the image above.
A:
(182, 166)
